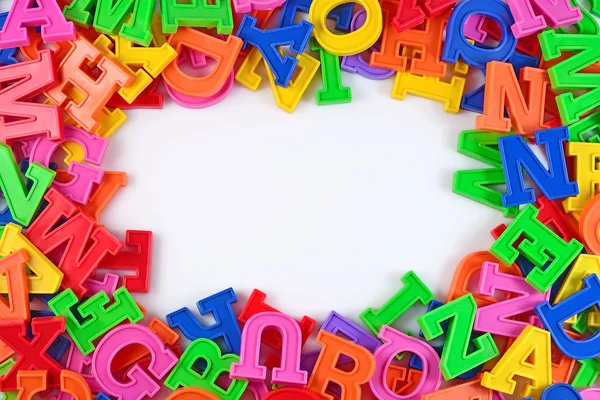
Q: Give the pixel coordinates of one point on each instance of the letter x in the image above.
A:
(32, 353)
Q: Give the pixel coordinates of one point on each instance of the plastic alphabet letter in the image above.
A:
(333, 92)
(589, 370)
(589, 225)
(395, 343)
(101, 319)
(270, 337)
(73, 384)
(551, 214)
(429, 87)
(247, 6)
(411, 13)
(584, 265)
(98, 91)
(287, 393)
(456, 359)
(111, 17)
(101, 196)
(77, 363)
(84, 176)
(416, 362)
(580, 130)
(226, 325)
(7, 56)
(23, 205)
(586, 174)
(351, 43)
(326, 372)
(496, 318)
(291, 346)
(502, 91)
(539, 246)
(477, 184)
(197, 13)
(139, 383)
(414, 291)
(563, 391)
(516, 156)
(555, 13)
(4, 368)
(153, 60)
(32, 352)
(553, 317)
(184, 373)
(139, 260)
(286, 98)
(470, 390)
(268, 41)
(133, 354)
(16, 307)
(336, 323)
(567, 74)
(29, 119)
(45, 278)
(342, 15)
(531, 342)
(457, 46)
(192, 393)
(468, 269)
(87, 242)
(224, 52)
(201, 102)
(31, 382)
(23, 15)
(475, 100)
(427, 41)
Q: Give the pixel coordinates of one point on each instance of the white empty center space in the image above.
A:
(324, 209)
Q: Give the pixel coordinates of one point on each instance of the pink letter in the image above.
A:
(291, 344)
(84, 176)
(22, 15)
(555, 13)
(474, 28)
(495, 318)
(109, 284)
(247, 6)
(77, 362)
(397, 342)
(590, 394)
(258, 389)
(140, 384)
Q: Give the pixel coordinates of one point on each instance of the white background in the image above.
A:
(324, 209)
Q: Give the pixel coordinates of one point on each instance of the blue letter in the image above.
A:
(456, 43)
(516, 155)
(554, 316)
(225, 326)
(296, 36)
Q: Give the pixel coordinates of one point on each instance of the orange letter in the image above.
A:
(502, 87)
(224, 52)
(427, 41)
(17, 306)
(325, 370)
(97, 91)
(111, 182)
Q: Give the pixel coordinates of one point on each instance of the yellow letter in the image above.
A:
(532, 342)
(46, 277)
